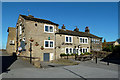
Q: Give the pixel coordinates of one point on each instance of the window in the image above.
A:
(48, 28)
(23, 38)
(80, 40)
(11, 42)
(83, 50)
(20, 29)
(35, 24)
(97, 41)
(51, 44)
(68, 39)
(51, 29)
(68, 50)
(83, 40)
(48, 44)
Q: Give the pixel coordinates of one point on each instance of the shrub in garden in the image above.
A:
(82, 54)
(63, 54)
(116, 49)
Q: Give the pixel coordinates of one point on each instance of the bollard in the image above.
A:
(96, 59)
(67, 56)
(108, 61)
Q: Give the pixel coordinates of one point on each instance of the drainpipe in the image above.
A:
(55, 46)
(17, 38)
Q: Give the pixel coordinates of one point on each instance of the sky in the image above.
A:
(100, 17)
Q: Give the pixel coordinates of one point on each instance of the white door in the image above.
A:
(51, 56)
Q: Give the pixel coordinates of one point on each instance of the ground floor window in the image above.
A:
(83, 50)
(68, 50)
(79, 51)
(48, 43)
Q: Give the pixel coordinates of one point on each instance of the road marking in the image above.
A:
(75, 73)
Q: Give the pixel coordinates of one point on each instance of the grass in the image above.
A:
(65, 62)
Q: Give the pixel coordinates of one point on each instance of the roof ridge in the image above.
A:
(38, 19)
(77, 33)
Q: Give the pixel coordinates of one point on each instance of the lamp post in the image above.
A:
(30, 52)
(31, 40)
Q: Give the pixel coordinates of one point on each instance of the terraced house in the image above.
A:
(48, 42)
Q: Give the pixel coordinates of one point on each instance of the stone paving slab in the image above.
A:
(23, 69)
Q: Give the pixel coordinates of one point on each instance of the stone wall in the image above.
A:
(10, 48)
(61, 45)
(96, 46)
(38, 35)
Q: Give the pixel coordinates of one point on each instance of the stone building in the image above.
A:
(48, 42)
(11, 42)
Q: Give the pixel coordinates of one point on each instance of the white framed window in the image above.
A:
(83, 50)
(20, 30)
(48, 44)
(83, 40)
(68, 50)
(48, 28)
(68, 39)
(11, 42)
(23, 38)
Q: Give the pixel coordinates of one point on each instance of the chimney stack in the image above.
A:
(76, 29)
(31, 16)
(87, 30)
(63, 27)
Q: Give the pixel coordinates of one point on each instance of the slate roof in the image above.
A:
(38, 20)
(12, 28)
(74, 33)
(110, 43)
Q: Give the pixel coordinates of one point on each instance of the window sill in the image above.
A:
(48, 32)
(83, 43)
(48, 48)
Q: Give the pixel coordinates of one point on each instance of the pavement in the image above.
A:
(87, 69)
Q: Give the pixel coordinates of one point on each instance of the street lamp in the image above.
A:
(31, 40)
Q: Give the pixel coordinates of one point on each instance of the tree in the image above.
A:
(108, 48)
(104, 44)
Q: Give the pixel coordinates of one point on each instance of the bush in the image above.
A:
(82, 54)
(108, 48)
(63, 54)
(72, 54)
(86, 53)
(116, 49)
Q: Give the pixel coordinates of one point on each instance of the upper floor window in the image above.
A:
(68, 39)
(83, 40)
(48, 28)
(48, 43)
(20, 29)
(97, 41)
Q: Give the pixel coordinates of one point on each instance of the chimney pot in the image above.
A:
(87, 29)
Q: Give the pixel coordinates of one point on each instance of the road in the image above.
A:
(88, 69)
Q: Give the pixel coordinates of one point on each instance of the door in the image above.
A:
(46, 56)
(51, 56)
